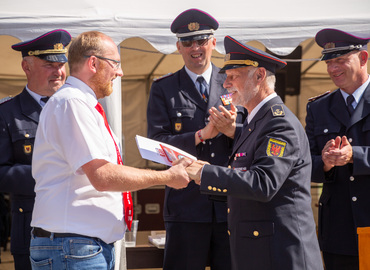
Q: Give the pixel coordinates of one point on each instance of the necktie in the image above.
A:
(126, 196)
(203, 88)
(349, 101)
(45, 99)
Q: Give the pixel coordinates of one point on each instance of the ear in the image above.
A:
(178, 46)
(25, 66)
(260, 74)
(92, 63)
(363, 57)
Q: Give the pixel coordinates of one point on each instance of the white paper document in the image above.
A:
(159, 152)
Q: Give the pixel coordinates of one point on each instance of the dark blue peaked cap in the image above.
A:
(50, 46)
(336, 42)
(239, 55)
(193, 22)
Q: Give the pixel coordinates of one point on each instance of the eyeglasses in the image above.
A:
(199, 42)
(116, 64)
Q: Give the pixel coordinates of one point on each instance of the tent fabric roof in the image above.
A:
(279, 25)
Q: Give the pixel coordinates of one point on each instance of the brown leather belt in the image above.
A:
(42, 233)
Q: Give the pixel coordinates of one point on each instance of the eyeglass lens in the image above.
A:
(200, 42)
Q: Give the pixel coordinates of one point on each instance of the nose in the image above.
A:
(227, 83)
(330, 66)
(119, 71)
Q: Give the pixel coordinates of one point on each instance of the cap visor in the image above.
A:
(222, 70)
(60, 57)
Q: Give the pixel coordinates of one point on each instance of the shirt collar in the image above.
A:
(36, 97)
(357, 94)
(206, 75)
(258, 107)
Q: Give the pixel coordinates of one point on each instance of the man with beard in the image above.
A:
(178, 111)
(43, 62)
(267, 182)
(77, 165)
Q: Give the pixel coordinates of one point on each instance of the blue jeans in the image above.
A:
(71, 253)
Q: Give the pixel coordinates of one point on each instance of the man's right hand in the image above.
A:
(179, 178)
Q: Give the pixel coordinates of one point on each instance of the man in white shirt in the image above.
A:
(78, 211)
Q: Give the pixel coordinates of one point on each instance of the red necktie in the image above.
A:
(126, 196)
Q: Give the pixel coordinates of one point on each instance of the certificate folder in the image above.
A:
(159, 152)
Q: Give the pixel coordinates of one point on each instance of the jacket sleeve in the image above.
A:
(15, 177)
(318, 174)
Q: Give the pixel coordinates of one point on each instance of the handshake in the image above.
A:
(183, 171)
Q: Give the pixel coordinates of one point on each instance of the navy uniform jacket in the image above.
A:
(345, 202)
(175, 112)
(270, 220)
(18, 123)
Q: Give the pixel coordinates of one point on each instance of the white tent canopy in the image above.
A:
(279, 25)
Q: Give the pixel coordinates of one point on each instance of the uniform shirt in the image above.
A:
(357, 94)
(71, 133)
(36, 97)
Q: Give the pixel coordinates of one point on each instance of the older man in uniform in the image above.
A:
(271, 225)
(178, 111)
(44, 65)
(338, 129)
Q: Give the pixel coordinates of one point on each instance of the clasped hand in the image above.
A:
(192, 168)
(337, 152)
(224, 120)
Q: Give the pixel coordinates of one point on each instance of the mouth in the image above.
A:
(195, 56)
(337, 75)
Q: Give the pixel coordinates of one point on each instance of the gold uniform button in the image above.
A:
(214, 189)
(27, 135)
(219, 190)
(209, 188)
(228, 210)
(225, 190)
(256, 233)
(21, 210)
(228, 231)
(229, 166)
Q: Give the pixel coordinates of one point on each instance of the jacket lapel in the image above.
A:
(339, 109)
(29, 107)
(362, 109)
(216, 89)
(251, 127)
(188, 90)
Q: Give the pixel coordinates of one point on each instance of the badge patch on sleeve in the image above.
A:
(275, 148)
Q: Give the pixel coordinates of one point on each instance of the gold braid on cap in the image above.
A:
(241, 62)
(58, 48)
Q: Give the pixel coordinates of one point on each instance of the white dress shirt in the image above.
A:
(71, 132)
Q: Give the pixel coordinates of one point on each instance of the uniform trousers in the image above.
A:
(22, 262)
(191, 246)
(340, 262)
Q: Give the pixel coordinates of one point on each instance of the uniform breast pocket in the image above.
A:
(181, 117)
(23, 141)
(327, 132)
(241, 163)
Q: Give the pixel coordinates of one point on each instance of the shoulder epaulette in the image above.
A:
(318, 97)
(277, 110)
(5, 99)
(162, 77)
